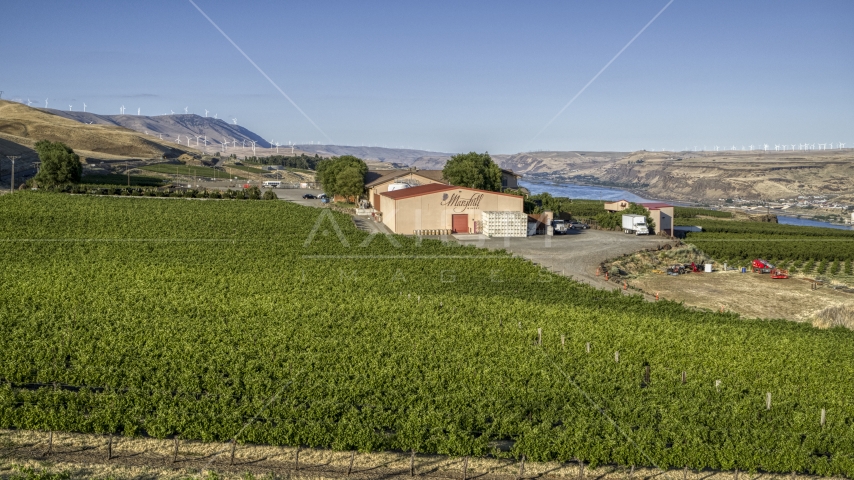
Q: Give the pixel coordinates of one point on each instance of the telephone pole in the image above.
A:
(13, 158)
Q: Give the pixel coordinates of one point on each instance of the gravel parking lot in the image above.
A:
(576, 254)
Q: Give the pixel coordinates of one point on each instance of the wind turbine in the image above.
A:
(185, 110)
(45, 103)
(244, 144)
(822, 146)
(765, 146)
(776, 148)
(188, 140)
(173, 112)
(215, 116)
(161, 136)
(84, 107)
(69, 108)
(234, 119)
(206, 141)
(277, 148)
(206, 113)
(197, 139)
(123, 109)
(178, 140)
(841, 146)
(253, 147)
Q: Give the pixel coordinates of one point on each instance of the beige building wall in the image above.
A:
(663, 218)
(435, 211)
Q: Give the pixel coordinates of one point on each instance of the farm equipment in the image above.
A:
(682, 269)
(779, 274)
(761, 266)
(677, 269)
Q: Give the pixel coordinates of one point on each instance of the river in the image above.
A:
(570, 190)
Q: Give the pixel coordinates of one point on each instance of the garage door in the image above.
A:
(460, 223)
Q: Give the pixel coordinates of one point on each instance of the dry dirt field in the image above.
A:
(85, 456)
(751, 295)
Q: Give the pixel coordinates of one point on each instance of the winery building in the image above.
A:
(442, 208)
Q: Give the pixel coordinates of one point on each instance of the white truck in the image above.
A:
(560, 227)
(635, 224)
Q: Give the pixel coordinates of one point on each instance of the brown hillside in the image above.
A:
(25, 126)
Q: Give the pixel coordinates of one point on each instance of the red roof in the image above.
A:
(656, 205)
(433, 188)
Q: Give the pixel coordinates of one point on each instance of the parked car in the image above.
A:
(560, 227)
(322, 196)
(308, 196)
(578, 225)
(325, 199)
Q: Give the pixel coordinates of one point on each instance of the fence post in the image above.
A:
(412, 464)
(588, 347)
(823, 415)
(110, 447)
(563, 340)
(466, 468)
(175, 451)
(233, 446)
(617, 356)
(352, 458)
(540, 337)
(684, 375)
(521, 468)
(768, 401)
(646, 375)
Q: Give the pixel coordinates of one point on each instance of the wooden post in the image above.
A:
(350, 467)
(466, 468)
(540, 337)
(563, 340)
(768, 401)
(684, 374)
(110, 447)
(49, 443)
(646, 375)
(617, 356)
(175, 451)
(685, 473)
(823, 416)
(581, 469)
(233, 446)
(718, 385)
(588, 347)
(521, 469)
(632, 472)
(412, 464)
(736, 474)
(296, 460)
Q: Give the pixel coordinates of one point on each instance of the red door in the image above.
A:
(460, 223)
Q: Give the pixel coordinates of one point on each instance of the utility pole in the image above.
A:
(12, 158)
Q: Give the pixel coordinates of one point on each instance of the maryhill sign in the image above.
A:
(460, 204)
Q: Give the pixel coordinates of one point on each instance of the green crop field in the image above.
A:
(246, 169)
(740, 242)
(692, 212)
(188, 170)
(159, 317)
(119, 179)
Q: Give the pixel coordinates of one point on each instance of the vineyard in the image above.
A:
(799, 248)
(273, 323)
(693, 212)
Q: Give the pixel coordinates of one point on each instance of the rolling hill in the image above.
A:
(171, 127)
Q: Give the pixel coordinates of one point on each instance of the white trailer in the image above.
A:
(635, 224)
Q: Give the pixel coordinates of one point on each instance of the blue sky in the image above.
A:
(453, 76)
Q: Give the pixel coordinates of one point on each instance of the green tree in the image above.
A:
(474, 170)
(343, 175)
(59, 164)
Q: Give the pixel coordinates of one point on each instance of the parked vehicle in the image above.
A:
(560, 227)
(635, 224)
(309, 196)
(272, 183)
(322, 196)
(325, 199)
(578, 225)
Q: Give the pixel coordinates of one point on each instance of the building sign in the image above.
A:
(460, 204)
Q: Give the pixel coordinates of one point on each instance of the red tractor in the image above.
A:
(761, 266)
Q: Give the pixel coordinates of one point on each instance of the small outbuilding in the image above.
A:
(661, 213)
